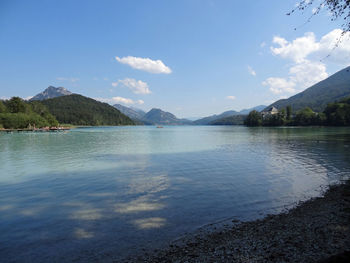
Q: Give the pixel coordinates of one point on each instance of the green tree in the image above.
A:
(306, 117)
(338, 114)
(274, 120)
(21, 120)
(79, 110)
(289, 113)
(16, 105)
(2, 107)
(42, 110)
(253, 119)
(21, 114)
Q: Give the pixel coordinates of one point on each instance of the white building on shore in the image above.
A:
(270, 111)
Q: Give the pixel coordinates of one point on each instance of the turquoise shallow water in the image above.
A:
(103, 193)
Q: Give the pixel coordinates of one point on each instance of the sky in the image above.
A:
(193, 58)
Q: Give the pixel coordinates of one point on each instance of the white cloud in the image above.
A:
(231, 97)
(300, 76)
(263, 44)
(145, 64)
(279, 85)
(115, 100)
(136, 86)
(251, 71)
(300, 48)
(307, 74)
(306, 53)
(68, 79)
(114, 84)
(338, 55)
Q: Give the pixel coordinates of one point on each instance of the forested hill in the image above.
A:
(79, 110)
(334, 88)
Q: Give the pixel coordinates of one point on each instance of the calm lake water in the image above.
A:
(103, 193)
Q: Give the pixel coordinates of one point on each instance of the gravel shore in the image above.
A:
(314, 231)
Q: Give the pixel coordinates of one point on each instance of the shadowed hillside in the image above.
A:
(79, 110)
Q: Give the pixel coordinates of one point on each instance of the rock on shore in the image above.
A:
(314, 231)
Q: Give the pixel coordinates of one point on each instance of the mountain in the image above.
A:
(157, 116)
(138, 110)
(257, 108)
(51, 92)
(132, 113)
(209, 119)
(319, 95)
(79, 110)
(231, 120)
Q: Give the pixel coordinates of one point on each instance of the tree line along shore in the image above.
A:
(78, 110)
(335, 114)
(72, 110)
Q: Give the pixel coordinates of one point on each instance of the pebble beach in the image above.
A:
(314, 231)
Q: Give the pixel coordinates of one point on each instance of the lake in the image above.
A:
(98, 194)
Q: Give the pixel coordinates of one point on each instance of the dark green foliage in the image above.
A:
(338, 114)
(306, 117)
(79, 110)
(42, 110)
(2, 107)
(289, 113)
(22, 120)
(231, 120)
(254, 119)
(335, 114)
(18, 114)
(278, 119)
(16, 105)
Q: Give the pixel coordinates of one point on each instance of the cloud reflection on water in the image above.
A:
(126, 196)
(152, 222)
(80, 233)
(141, 204)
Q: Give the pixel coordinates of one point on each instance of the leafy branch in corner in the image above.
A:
(339, 9)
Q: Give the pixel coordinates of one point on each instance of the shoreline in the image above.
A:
(317, 230)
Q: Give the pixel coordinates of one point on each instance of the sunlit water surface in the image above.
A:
(99, 194)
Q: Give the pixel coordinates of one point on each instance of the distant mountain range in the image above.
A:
(133, 113)
(153, 117)
(257, 108)
(51, 92)
(79, 110)
(319, 95)
(157, 116)
(214, 118)
(230, 120)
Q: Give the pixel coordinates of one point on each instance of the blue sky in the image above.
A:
(190, 57)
